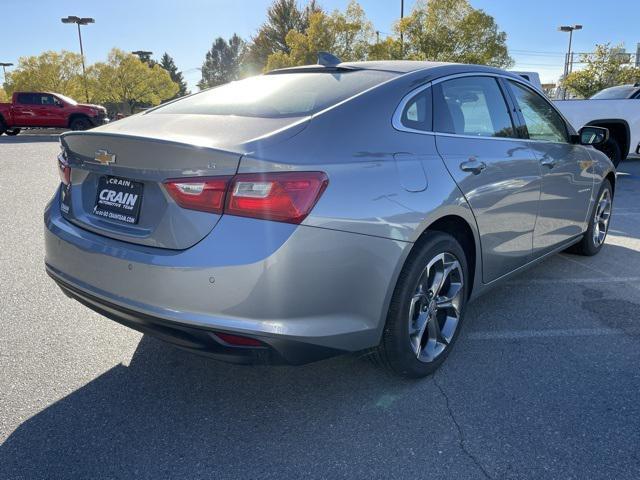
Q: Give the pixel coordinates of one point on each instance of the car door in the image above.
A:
(496, 171)
(567, 182)
(24, 112)
(51, 111)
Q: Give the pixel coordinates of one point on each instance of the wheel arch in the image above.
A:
(618, 130)
(462, 230)
(75, 116)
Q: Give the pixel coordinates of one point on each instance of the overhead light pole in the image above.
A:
(4, 69)
(143, 55)
(80, 21)
(401, 29)
(568, 64)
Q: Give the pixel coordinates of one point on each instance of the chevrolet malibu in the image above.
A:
(324, 209)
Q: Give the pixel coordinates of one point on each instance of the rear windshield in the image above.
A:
(279, 95)
(615, 93)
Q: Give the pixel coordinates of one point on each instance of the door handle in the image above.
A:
(548, 162)
(473, 166)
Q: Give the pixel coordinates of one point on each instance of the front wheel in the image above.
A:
(427, 307)
(12, 131)
(596, 234)
(80, 124)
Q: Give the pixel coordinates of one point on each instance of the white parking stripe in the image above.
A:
(568, 332)
(542, 281)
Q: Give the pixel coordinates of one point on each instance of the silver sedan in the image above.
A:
(324, 209)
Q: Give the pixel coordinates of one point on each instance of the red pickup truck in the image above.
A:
(48, 110)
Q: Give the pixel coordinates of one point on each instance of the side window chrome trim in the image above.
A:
(397, 115)
(396, 120)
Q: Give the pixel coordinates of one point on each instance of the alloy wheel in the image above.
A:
(601, 218)
(435, 307)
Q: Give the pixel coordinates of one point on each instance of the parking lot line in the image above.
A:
(539, 281)
(566, 332)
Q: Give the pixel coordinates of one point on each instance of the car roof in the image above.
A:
(431, 69)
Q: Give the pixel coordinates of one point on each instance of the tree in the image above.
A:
(169, 65)
(346, 35)
(453, 31)
(283, 16)
(222, 63)
(59, 72)
(604, 68)
(124, 78)
(3, 95)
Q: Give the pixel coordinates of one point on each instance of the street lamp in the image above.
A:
(80, 21)
(143, 55)
(568, 64)
(4, 69)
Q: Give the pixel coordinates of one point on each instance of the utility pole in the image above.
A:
(568, 64)
(80, 21)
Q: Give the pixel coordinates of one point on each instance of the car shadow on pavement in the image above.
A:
(170, 412)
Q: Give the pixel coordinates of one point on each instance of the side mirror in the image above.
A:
(593, 135)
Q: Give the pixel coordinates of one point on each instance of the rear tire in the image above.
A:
(12, 131)
(80, 123)
(612, 150)
(427, 308)
(3, 126)
(593, 239)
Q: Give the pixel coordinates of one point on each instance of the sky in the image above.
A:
(186, 28)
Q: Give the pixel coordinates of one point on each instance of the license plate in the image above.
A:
(118, 199)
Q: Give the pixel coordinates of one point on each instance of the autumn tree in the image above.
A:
(125, 79)
(605, 67)
(453, 31)
(283, 16)
(345, 34)
(59, 72)
(169, 65)
(222, 63)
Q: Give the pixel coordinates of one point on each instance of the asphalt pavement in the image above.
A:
(544, 381)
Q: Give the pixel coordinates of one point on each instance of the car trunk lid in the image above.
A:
(118, 171)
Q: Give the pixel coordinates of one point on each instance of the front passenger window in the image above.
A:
(542, 121)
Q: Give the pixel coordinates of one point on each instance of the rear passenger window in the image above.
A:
(26, 98)
(417, 112)
(471, 106)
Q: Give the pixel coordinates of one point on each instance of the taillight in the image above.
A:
(64, 170)
(281, 196)
(205, 194)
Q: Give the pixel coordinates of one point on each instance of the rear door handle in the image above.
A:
(548, 162)
(473, 166)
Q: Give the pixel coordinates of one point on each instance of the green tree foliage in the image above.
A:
(3, 95)
(169, 65)
(283, 16)
(604, 68)
(346, 34)
(50, 71)
(453, 31)
(222, 63)
(124, 78)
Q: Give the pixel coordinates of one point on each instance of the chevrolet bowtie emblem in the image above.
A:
(104, 157)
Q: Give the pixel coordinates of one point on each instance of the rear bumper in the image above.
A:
(305, 292)
(200, 340)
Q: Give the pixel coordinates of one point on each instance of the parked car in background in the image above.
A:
(48, 110)
(531, 77)
(615, 108)
(324, 209)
